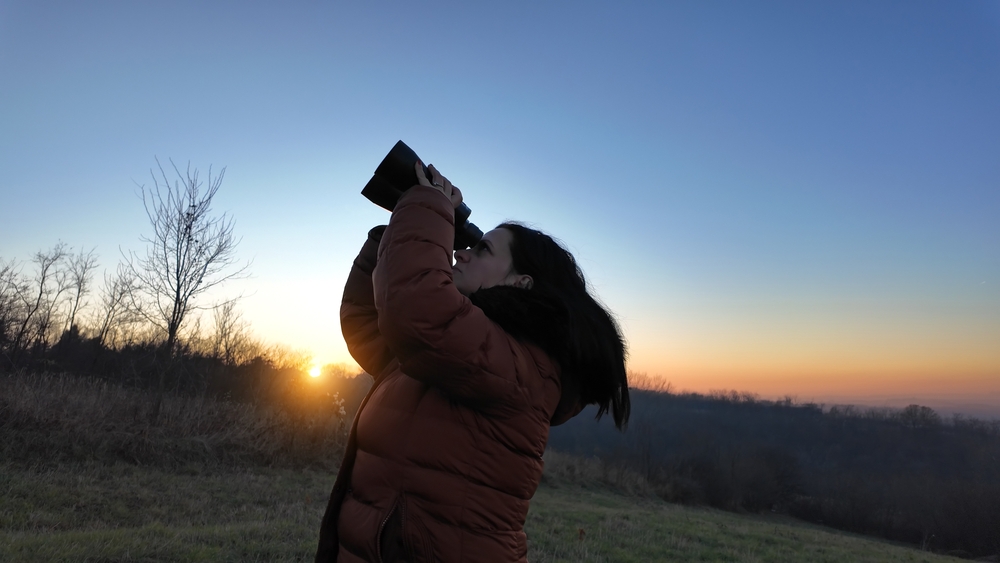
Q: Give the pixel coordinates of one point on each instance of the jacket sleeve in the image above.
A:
(358, 316)
(437, 334)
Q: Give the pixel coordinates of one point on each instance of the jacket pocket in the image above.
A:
(403, 538)
(358, 526)
(418, 545)
(390, 545)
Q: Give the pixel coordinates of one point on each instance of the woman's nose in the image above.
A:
(461, 255)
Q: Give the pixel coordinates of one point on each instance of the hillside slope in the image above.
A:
(125, 513)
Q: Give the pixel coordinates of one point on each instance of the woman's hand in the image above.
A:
(440, 183)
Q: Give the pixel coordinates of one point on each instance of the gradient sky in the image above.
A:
(780, 197)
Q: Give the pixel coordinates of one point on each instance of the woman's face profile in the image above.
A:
(487, 264)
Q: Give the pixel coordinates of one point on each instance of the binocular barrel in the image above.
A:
(396, 174)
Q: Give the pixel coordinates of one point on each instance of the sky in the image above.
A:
(787, 198)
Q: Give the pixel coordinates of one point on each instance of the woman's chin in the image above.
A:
(464, 290)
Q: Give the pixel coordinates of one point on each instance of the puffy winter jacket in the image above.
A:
(446, 450)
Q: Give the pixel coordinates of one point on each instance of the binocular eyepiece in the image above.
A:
(396, 174)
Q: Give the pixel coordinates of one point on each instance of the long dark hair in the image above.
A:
(592, 350)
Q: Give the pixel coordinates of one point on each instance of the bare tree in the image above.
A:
(190, 251)
(231, 340)
(11, 289)
(39, 299)
(80, 271)
(115, 312)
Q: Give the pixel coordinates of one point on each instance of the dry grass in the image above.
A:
(52, 419)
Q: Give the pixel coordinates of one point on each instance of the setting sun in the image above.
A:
(314, 372)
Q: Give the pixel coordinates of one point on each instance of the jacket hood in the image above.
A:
(530, 316)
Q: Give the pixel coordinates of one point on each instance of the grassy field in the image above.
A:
(123, 513)
(88, 473)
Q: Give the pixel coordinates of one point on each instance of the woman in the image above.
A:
(472, 364)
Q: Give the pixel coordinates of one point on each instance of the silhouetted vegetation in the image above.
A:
(902, 474)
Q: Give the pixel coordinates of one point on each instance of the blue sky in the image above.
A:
(774, 196)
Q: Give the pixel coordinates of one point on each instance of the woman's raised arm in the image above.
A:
(437, 334)
(358, 315)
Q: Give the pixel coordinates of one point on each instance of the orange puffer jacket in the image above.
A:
(446, 450)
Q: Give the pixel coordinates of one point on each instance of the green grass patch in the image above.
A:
(627, 529)
(128, 513)
(125, 513)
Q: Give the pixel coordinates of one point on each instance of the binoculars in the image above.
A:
(396, 174)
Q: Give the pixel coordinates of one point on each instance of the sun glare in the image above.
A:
(314, 372)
